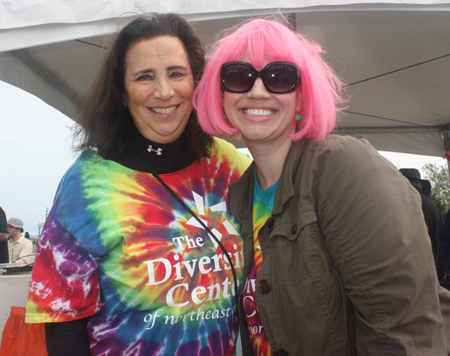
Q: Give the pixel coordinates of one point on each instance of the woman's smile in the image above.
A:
(258, 112)
(161, 110)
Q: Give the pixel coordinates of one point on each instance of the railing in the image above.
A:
(14, 268)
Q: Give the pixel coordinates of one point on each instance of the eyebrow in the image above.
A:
(151, 70)
(177, 67)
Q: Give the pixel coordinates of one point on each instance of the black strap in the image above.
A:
(183, 204)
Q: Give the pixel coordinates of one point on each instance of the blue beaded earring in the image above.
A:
(225, 116)
(298, 117)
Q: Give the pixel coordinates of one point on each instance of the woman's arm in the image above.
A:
(64, 291)
(67, 338)
(375, 233)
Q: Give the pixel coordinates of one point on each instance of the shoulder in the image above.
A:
(23, 241)
(86, 159)
(90, 172)
(344, 162)
(87, 166)
(429, 207)
(347, 154)
(227, 153)
(220, 146)
(341, 144)
(83, 199)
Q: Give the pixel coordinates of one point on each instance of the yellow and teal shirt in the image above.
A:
(263, 201)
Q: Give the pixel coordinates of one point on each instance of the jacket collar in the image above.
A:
(285, 190)
(241, 191)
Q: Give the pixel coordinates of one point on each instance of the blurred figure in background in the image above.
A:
(19, 247)
(431, 214)
(3, 238)
(444, 247)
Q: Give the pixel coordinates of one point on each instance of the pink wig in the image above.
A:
(320, 86)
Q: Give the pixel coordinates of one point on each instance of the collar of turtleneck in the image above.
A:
(162, 158)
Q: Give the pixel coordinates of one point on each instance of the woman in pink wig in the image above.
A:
(337, 257)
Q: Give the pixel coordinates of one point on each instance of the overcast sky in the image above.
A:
(34, 154)
(35, 151)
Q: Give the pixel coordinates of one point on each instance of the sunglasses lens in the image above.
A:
(238, 77)
(280, 77)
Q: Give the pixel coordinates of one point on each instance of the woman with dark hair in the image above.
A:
(106, 123)
(124, 265)
(337, 256)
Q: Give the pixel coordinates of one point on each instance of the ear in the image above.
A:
(124, 101)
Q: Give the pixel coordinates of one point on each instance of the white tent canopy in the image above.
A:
(395, 56)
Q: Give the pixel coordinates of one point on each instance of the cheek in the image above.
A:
(184, 89)
(229, 101)
(187, 98)
(290, 102)
(135, 95)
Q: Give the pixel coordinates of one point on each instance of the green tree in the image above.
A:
(440, 187)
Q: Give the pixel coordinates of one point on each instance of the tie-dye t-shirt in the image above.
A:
(118, 247)
(263, 201)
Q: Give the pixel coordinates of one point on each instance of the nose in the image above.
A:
(258, 91)
(163, 90)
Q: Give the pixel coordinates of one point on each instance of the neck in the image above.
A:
(269, 160)
(162, 158)
(16, 237)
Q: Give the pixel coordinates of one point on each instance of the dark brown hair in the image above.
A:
(105, 123)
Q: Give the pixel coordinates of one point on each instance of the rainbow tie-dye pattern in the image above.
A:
(119, 248)
(263, 201)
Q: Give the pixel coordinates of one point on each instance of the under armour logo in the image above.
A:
(158, 151)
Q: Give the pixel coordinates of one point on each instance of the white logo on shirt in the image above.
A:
(158, 151)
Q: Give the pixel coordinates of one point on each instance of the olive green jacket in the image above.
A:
(347, 261)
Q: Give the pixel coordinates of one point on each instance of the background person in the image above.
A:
(3, 238)
(444, 247)
(433, 218)
(119, 257)
(20, 249)
(336, 252)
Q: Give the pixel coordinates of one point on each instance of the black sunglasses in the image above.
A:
(278, 77)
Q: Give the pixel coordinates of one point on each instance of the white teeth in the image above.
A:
(258, 112)
(164, 110)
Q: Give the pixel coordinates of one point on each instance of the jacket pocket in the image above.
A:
(295, 253)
